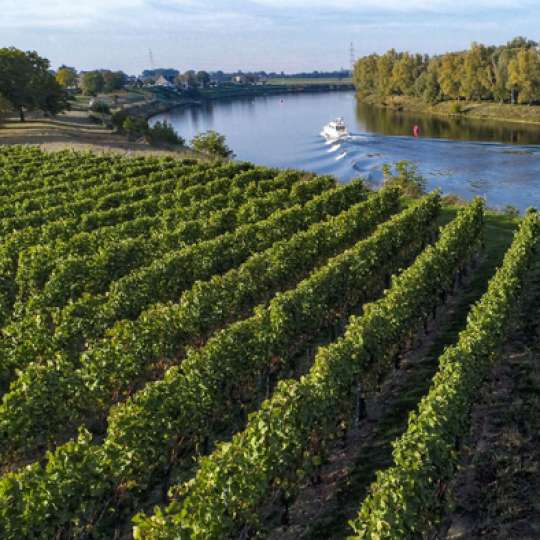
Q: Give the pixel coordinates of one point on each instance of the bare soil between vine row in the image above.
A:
(323, 511)
(496, 493)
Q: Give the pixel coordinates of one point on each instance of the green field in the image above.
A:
(190, 348)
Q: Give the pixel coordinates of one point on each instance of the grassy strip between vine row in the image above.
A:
(405, 501)
(283, 441)
(64, 229)
(47, 399)
(89, 487)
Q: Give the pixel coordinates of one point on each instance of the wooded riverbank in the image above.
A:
(483, 110)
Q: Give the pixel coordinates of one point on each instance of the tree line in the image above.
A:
(91, 82)
(508, 73)
(27, 84)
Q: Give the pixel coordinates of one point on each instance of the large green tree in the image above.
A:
(426, 85)
(449, 75)
(365, 74)
(496, 74)
(92, 83)
(403, 74)
(66, 77)
(113, 80)
(203, 78)
(385, 68)
(27, 84)
(189, 77)
(524, 75)
(473, 77)
(212, 144)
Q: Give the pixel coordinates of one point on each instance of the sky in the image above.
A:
(271, 35)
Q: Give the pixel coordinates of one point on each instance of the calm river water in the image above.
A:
(498, 161)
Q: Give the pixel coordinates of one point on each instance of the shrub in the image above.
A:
(118, 119)
(453, 200)
(5, 108)
(163, 132)
(511, 211)
(455, 108)
(100, 107)
(406, 178)
(213, 144)
(135, 127)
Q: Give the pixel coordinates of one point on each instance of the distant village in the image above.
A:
(191, 80)
(96, 81)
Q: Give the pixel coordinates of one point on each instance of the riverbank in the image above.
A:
(75, 132)
(78, 129)
(481, 110)
(157, 106)
(166, 99)
(224, 92)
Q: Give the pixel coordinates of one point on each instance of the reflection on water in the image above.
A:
(467, 157)
(390, 122)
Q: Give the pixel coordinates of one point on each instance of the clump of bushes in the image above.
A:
(5, 108)
(456, 108)
(134, 127)
(212, 144)
(511, 211)
(100, 107)
(118, 118)
(163, 133)
(453, 200)
(406, 177)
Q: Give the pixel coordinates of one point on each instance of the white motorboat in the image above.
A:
(335, 129)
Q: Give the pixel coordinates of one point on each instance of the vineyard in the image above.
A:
(188, 347)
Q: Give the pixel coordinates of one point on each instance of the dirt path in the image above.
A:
(496, 495)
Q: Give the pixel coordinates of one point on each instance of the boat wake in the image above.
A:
(359, 138)
(341, 156)
(334, 148)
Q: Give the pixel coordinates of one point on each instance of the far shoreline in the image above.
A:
(476, 110)
(157, 107)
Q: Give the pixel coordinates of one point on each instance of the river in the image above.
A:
(498, 161)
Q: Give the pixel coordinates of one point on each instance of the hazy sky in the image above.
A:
(274, 35)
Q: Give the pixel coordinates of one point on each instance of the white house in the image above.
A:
(240, 79)
(162, 81)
